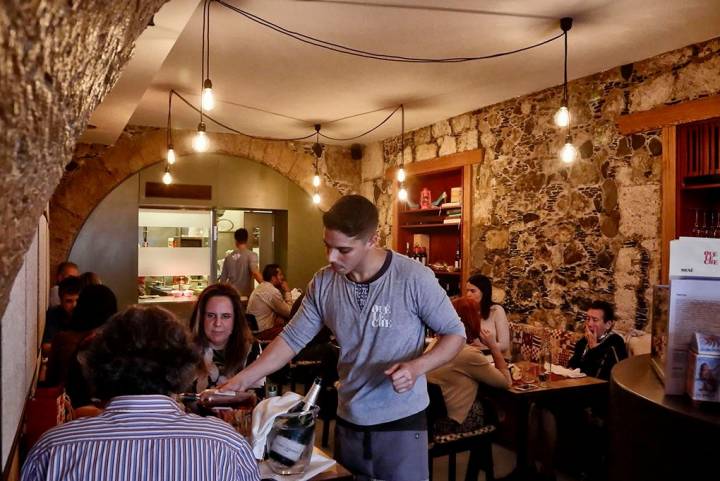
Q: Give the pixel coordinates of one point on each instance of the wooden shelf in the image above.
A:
(432, 210)
(700, 186)
(447, 273)
(428, 226)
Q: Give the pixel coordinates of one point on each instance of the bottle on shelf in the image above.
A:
(290, 442)
(423, 256)
(407, 249)
(458, 260)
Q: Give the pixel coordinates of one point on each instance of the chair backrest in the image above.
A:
(437, 409)
(252, 322)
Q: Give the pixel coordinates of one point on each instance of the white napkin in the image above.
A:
(563, 371)
(264, 414)
(318, 463)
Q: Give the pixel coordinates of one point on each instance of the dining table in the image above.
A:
(557, 389)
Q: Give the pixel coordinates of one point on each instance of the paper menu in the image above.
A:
(694, 307)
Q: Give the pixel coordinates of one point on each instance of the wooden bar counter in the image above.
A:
(658, 437)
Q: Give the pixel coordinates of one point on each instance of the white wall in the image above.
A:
(21, 324)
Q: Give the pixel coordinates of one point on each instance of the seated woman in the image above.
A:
(222, 334)
(492, 316)
(459, 380)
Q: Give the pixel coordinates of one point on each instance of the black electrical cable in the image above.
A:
(235, 131)
(372, 55)
(364, 133)
(168, 136)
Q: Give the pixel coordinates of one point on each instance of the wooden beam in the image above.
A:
(682, 113)
(668, 218)
(447, 162)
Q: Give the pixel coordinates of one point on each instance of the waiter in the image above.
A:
(377, 303)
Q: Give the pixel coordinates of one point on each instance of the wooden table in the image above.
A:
(557, 389)
(336, 472)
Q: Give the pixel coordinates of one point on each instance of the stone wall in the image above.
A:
(95, 170)
(551, 236)
(57, 61)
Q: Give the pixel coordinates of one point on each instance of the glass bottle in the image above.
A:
(290, 442)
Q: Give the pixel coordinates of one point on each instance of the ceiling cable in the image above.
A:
(335, 47)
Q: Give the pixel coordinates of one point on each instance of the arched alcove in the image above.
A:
(107, 243)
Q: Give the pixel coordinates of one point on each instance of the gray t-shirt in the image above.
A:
(237, 270)
(390, 328)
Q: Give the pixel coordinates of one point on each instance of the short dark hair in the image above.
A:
(606, 307)
(269, 271)
(353, 215)
(142, 350)
(241, 236)
(64, 265)
(96, 304)
(69, 286)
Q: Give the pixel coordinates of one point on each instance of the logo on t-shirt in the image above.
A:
(380, 316)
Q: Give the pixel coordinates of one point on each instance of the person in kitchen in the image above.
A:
(241, 265)
(377, 304)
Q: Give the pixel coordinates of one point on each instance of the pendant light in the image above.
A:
(400, 175)
(562, 116)
(167, 177)
(200, 142)
(170, 155)
(317, 150)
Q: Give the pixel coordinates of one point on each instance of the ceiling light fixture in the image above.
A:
(170, 156)
(200, 142)
(167, 177)
(318, 150)
(568, 152)
(562, 116)
(400, 175)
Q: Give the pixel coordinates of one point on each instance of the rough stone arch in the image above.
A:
(56, 65)
(96, 170)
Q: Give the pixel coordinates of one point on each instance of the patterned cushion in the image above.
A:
(448, 438)
(529, 341)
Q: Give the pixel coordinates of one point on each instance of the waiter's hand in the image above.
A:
(403, 376)
(236, 383)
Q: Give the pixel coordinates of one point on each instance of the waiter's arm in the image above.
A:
(274, 357)
(404, 374)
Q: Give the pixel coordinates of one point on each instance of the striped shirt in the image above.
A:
(142, 438)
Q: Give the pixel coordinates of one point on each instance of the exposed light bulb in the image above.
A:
(402, 194)
(316, 180)
(316, 198)
(401, 175)
(568, 153)
(562, 117)
(167, 178)
(207, 99)
(170, 155)
(200, 142)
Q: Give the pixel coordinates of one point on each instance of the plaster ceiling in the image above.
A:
(267, 84)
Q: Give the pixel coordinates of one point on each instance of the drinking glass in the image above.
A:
(529, 369)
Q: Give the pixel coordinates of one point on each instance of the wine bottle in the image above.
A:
(407, 249)
(216, 397)
(458, 259)
(295, 433)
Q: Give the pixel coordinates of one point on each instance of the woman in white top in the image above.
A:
(492, 316)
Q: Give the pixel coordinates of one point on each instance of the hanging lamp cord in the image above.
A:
(335, 47)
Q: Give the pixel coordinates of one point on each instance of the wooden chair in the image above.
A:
(444, 441)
